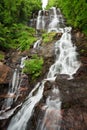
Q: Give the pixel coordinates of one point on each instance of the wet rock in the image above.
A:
(73, 91)
(47, 89)
(81, 72)
(73, 94)
(74, 118)
(24, 87)
(80, 40)
(5, 74)
(58, 36)
(47, 50)
(79, 34)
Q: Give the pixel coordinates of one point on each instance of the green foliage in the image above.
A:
(17, 36)
(48, 37)
(75, 12)
(12, 13)
(33, 66)
(4, 37)
(23, 36)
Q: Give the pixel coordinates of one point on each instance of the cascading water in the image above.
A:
(37, 43)
(40, 21)
(52, 118)
(19, 121)
(22, 62)
(13, 87)
(66, 63)
(66, 56)
(52, 22)
(56, 20)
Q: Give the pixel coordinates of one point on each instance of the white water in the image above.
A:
(52, 22)
(55, 21)
(6, 114)
(66, 63)
(22, 62)
(19, 121)
(13, 87)
(66, 56)
(37, 43)
(52, 117)
(44, 4)
(40, 25)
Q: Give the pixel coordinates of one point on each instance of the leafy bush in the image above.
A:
(33, 66)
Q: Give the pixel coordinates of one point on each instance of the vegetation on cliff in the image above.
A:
(14, 17)
(74, 11)
(33, 67)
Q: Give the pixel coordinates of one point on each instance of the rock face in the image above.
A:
(80, 41)
(73, 91)
(5, 74)
(73, 95)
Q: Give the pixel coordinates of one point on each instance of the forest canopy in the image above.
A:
(14, 18)
(16, 14)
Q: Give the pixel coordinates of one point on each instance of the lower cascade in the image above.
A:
(65, 63)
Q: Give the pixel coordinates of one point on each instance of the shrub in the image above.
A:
(23, 36)
(33, 66)
(17, 36)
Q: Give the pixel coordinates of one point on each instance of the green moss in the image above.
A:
(33, 66)
(48, 37)
(1, 56)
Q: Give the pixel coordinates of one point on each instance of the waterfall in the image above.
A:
(40, 25)
(13, 86)
(52, 22)
(22, 61)
(56, 20)
(52, 117)
(65, 63)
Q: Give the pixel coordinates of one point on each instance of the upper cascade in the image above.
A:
(51, 20)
